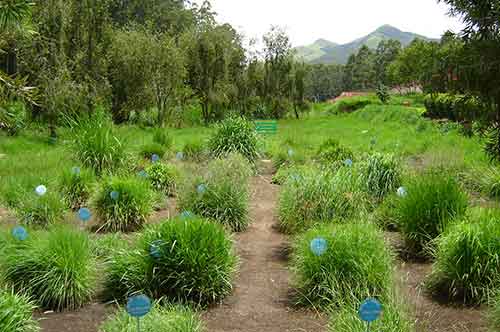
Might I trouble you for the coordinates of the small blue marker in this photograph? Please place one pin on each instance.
(155, 158)
(114, 195)
(19, 233)
(186, 215)
(142, 174)
(156, 248)
(84, 214)
(41, 190)
(348, 162)
(75, 170)
(201, 189)
(179, 155)
(137, 307)
(402, 192)
(370, 311)
(319, 246)
(290, 153)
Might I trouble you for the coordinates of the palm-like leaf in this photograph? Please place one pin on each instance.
(13, 14)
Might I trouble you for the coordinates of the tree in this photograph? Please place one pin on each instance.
(387, 51)
(324, 81)
(299, 89)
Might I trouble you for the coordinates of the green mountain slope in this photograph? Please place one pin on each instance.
(324, 51)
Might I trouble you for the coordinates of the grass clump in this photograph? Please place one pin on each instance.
(292, 172)
(319, 197)
(96, 144)
(56, 268)
(161, 318)
(148, 150)
(162, 137)
(41, 211)
(332, 154)
(467, 266)
(194, 150)
(194, 262)
(76, 186)
(124, 203)
(234, 135)
(163, 177)
(356, 265)
(221, 194)
(16, 313)
(494, 314)
(433, 200)
(381, 175)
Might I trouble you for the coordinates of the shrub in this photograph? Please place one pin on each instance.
(234, 135)
(433, 200)
(130, 209)
(16, 313)
(12, 118)
(194, 150)
(485, 179)
(384, 215)
(454, 107)
(492, 142)
(54, 268)
(383, 94)
(41, 210)
(76, 186)
(194, 263)
(224, 194)
(467, 266)
(331, 153)
(292, 172)
(319, 197)
(348, 105)
(381, 175)
(163, 177)
(96, 144)
(286, 155)
(355, 265)
(160, 318)
(162, 137)
(104, 245)
(395, 317)
(148, 150)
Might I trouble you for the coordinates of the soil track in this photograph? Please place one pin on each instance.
(260, 301)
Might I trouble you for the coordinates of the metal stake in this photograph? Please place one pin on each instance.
(138, 324)
(368, 327)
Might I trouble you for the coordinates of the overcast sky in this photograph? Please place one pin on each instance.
(340, 21)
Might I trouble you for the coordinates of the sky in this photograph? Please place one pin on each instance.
(334, 20)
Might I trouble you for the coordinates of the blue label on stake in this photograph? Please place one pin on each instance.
(319, 246)
(84, 214)
(179, 155)
(402, 192)
(41, 190)
(142, 174)
(75, 170)
(114, 195)
(201, 188)
(290, 152)
(370, 310)
(155, 158)
(348, 162)
(138, 306)
(156, 248)
(186, 215)
(19, 233)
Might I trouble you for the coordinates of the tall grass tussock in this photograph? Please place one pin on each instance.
(16, 313)
(124, 203)
(55, 268)
(433, 201)
(41, 211)
(467, 266)
(356, 265)
(234, 135)
(161, 318)
(381, 175)
(186, 260)
(76, 185)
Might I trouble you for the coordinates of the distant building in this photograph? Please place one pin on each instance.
(348, 94)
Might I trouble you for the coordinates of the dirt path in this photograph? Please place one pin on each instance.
(260, 299)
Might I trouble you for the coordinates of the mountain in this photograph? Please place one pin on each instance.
(324, 51)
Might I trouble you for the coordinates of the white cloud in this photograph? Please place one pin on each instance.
(340, 21)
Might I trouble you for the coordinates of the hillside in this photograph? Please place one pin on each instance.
(324, 51)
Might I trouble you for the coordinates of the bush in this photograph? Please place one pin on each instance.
(128, 211)
(349, 105)
(319, 197)
(433, 200)
(492, 142)
(290, 173)
(170, 318)
(163, 177)
(55, 268)
(234, 135)
(467, 266)
(381, 174)
(41, 210)
(395, 318)
(485, 179)
(148, 150)
(195, 263)
(332, 154)
(355, 265)
(194, 150)
(12, 118)
(457, 108)
(16, 313)
(162, 137)
(76, 186)
(224, 194)
(96, 144)
(383, 94)
(104, 245)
